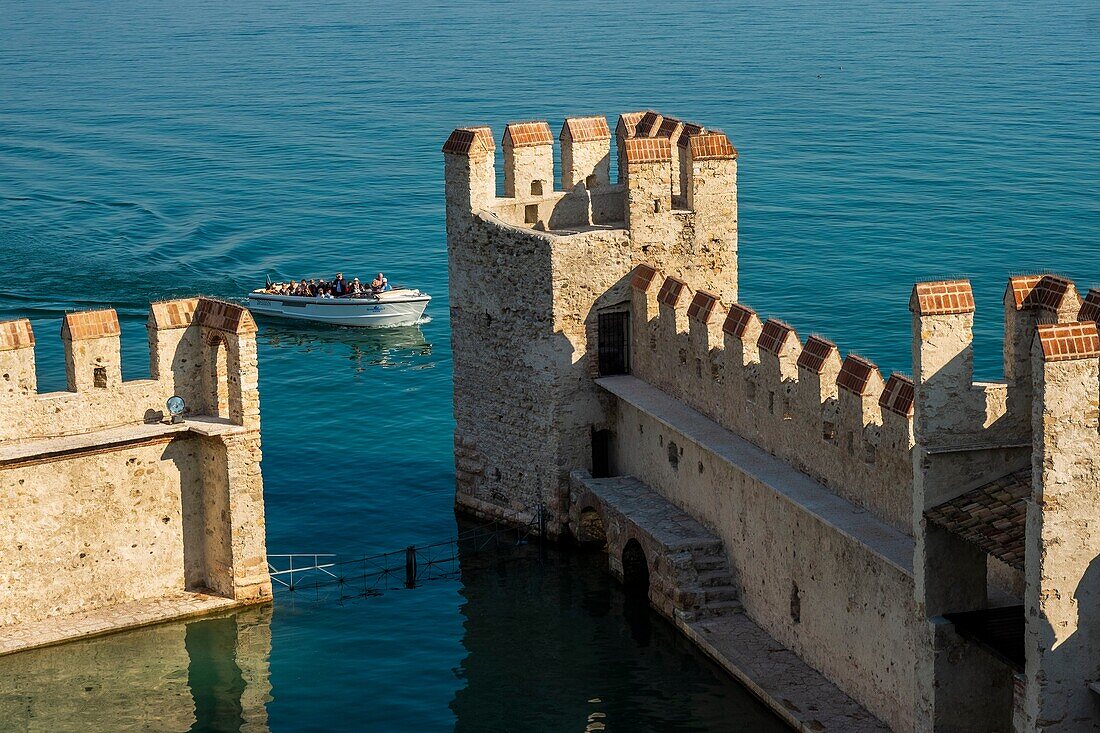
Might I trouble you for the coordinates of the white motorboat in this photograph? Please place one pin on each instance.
(398, 307)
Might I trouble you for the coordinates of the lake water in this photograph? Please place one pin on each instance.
(157, 149)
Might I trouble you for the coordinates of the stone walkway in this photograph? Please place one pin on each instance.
(775, 674)
(109, 619)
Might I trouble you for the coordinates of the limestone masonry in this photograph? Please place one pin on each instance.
(900, 553)
(114, 516)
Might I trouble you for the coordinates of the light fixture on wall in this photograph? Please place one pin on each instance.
(176, 406)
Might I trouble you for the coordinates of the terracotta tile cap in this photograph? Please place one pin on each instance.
(90, 325)
(773, 336)
(648, 125)
(628, 122)
(1090, 309)
(897, 395)
(670, 127)
(670, 292)
(992, 516)
(222, 316)
(16, 334)
(702, 306)
(855, 374)
(647, 150)
(527, 134)
(689, 130)
(815, 353)
(643, 277)
(738, 319)
(1068, 341)
(942, 297)
(711, 146)
(468, 141)
(169, 314)
(585, 129)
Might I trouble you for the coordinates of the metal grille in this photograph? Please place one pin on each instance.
(613, 333)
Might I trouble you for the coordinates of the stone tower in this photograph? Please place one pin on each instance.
(533, 270)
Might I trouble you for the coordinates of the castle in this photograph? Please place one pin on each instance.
(115, 514)
(865, 553)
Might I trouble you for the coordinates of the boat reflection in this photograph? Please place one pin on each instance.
(403, 346)
(210, 674)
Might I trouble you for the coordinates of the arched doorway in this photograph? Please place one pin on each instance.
(635, 568)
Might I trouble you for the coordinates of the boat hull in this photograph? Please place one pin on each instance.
(357, 312)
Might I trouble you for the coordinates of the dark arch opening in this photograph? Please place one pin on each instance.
(635, 569)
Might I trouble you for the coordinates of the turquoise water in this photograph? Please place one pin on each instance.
(154, 149)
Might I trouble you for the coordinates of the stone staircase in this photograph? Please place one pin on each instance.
(690, 576)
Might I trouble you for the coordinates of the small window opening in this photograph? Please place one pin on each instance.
(99, 376)
(531, 214)
(796, 604)
(536, 188)
(828, 431)
(771, 403)
(673, 455)
(656, 206)
(869, 454)
(699, 368)
(851, 444)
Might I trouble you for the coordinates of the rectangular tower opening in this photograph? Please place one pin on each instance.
(613, 333)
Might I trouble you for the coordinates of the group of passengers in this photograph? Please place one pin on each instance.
(337, 288)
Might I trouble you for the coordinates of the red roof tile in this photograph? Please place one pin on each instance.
(527, 134)
(485, 134)
(1046, 292)
(1066, 341)
(168, 314)
(773, 336)
(815, 353)
(464, 141)
(671, 290)
(647, 150)
(992, 516)
(855, 374)
(942, 297)
(737, 320)
(16, 335)
(648, 125)
(897, 395)
(628, 122)
(90, 325)
(643, 277)
(702, 306)
(224, 316)
(670, 128)
(689, 129)
(585, 129)
(710, 146)
(1090, 309)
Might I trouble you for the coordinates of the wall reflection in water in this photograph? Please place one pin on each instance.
(210, 674)
(555, 645)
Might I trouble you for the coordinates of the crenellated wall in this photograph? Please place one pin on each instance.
(837, 421)
(108, 500)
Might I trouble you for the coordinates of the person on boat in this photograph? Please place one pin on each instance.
(303, 289)
(314, 288)
(339, 285)
(356, 288)
(379, 284)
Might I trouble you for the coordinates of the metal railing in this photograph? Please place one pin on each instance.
(409, 567)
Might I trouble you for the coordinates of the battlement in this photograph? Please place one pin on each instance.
(835, 419)
(201, 349)
(675, 197)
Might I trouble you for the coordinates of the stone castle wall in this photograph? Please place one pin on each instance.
(858, 512)
(110, 502)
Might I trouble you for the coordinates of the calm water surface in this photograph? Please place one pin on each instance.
(156, 149)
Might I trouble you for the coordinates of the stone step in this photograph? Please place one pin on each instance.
(710, 562)
(712, 578)
(720, 594)
(720, 608)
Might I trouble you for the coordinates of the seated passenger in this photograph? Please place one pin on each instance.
(379, 284)
(356, 288)
(314, 288)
